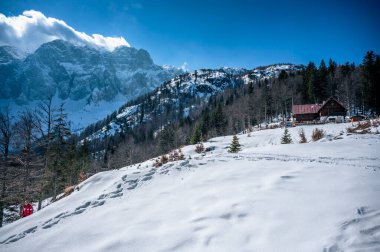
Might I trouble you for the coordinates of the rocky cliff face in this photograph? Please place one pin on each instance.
(74, 72)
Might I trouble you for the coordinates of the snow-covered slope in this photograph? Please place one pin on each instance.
(318, 196)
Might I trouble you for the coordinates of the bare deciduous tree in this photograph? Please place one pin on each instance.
(44, 120)
(26, 134)
(6, 134)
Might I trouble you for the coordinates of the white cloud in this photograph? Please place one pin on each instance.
(31, 29)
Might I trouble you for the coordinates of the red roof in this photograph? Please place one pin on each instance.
(306, 109)
(312, 108)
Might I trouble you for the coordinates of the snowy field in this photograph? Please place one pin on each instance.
(318, 196)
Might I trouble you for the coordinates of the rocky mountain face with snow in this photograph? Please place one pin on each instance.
(179, 97)
(71, 72)
(92, 82)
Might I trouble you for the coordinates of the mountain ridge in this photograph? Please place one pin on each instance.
(74, 72)
(182, 95)
(90, 82)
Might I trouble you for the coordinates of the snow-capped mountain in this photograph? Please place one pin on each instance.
(91, 82)
(79, 72)
(183, 93)
(271, 71)
(317, 196)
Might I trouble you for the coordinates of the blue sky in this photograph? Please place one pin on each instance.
(212, 34)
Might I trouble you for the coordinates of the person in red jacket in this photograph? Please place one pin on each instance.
(27, 209)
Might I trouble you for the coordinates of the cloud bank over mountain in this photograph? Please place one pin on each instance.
(31, 29)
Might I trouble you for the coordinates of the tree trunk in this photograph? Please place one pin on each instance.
(3, 187)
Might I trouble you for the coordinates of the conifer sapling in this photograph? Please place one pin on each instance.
(235, 145)
(286, 138)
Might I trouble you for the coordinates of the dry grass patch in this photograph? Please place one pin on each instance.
(317, 134)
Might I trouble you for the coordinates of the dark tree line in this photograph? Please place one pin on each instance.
(356, 86)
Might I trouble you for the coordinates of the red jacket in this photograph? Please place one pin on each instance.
(27, 210)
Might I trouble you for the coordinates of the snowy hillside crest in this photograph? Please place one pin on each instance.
(223, 201)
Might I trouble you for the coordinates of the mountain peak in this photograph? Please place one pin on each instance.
(10, 53)
(79, 74)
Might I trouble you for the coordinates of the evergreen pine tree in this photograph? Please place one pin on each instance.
(197, 135)
(142, 112)
(72, 164)
(84, 156)
(286, 138)
(320, 85)
(332, 66)
(283, 75)
(307, 91)
(250, 87)
(58, 149)
(167, 139)
(332, 82)
(235, 145)
(219, 120)
(371, 79)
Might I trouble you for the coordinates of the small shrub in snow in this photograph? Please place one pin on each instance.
(180, 155)
(376, 123)
(82, 176)
(68, 190)
(199, 148)
(302, 136)
(364, 125)
(350, 130)
(157, 163)
(317, 134)
(164, 159)
(160, 161)
(172, 156)
(286, 138)
(176, 155)
(235, 145)
(360, 128)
